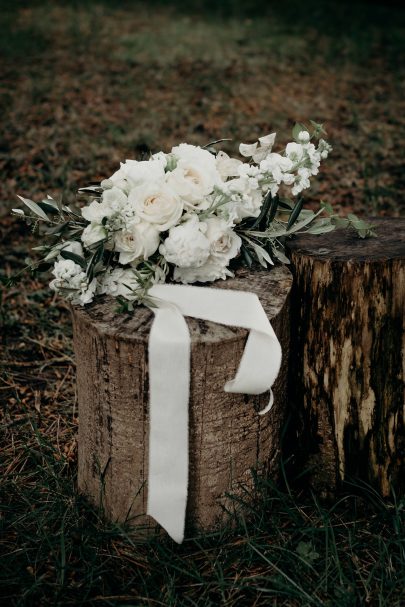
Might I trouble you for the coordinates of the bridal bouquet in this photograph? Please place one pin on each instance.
(190, 215)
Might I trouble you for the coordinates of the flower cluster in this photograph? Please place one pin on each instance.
(188, 215)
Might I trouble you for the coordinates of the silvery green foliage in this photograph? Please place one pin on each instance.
(191, 215)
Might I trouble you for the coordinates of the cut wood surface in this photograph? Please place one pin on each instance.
(348, 356)
(227, 437)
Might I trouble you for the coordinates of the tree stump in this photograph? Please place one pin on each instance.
(348, 356)
(227, 437)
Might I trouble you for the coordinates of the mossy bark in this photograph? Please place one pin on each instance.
(227, 436)
(348, 356)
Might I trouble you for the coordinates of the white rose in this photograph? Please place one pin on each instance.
(156, 204)
(93, 233)
(141, 240)
(186, 244)
(96, 211)
(224, 242)
(224, 245)
(133, 173)
(115, 198)
(195, 175)
(211, 270)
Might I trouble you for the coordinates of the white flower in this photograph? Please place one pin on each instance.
(276, 165)
(211, 270)
(226, 166)
(93, 233)
(66, 270)
(86, 294)
(224, 245)
(186, 244)
(324, 148)
(301, 181)
(141, 240)
(158, 204)
(195, 175)
(224, 242)
(69, 275)
(304, 137)
(119, 282)
(133, 173)
(258, 153)
(113, 200)
(246, 199)
(294, 151)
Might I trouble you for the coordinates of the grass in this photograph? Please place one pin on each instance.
(84, 85)
(289, 550)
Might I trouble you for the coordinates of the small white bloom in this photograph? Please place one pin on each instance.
(186, 244)
(86, 294)
(93, 233)
(294, 151)
(226, 166)
(66, 269)
(141, 240)
(119, 282)
(275, 165)
(304, 137)
(324, 148)
(158, 204)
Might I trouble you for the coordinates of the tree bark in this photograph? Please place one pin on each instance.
(226, 436)
(348, 356)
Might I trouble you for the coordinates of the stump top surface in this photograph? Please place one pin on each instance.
(271, 286)
(345, 244)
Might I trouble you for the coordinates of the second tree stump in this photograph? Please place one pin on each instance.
(348, 356)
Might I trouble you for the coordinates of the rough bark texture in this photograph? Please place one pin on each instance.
(348, 356)
(227, 436)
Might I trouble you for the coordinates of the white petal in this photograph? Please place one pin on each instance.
(268, 140)
(247, 149)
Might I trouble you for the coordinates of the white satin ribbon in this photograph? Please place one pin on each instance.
(169, 383)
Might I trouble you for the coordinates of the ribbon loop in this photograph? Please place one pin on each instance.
(169, 377)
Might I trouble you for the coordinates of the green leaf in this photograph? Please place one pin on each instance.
(48, 207)
(57, 229)
(73, 257)
(327, 207)
(247, 256)
(295, 213)
(272, 210)
(34, 208)
(321, 229)
(264, 210)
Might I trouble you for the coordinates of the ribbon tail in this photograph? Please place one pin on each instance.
(169, 379)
